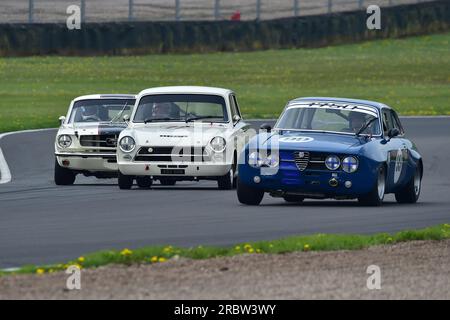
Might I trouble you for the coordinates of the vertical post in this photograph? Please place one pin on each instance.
(330, 6)
(296, 8)
(30, 11)
(83, 11)
(130, 10)
(177, 10)
(217, 9)
(258, 10)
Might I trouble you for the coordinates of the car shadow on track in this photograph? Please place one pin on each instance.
(342, 204)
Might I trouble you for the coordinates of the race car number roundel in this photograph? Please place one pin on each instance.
(398, 165)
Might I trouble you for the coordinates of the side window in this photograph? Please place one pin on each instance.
(234, 107)
(387, 121)
(397, 123)
(236, 104)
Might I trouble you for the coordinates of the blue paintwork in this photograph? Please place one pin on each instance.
(371, 152)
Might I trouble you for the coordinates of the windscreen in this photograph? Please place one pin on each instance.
(181, 107)
(336, 120)
(101, 110)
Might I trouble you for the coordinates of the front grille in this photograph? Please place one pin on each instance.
(310, 160)
(301, 160)
(170, 154)
(104, 141)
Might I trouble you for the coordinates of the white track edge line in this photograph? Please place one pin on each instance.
(5, 173)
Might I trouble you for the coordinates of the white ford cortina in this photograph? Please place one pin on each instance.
(182, 133)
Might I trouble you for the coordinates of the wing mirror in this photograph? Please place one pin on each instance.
(394, 132)
(236, 118)
(126, 118)
(266, 127)
(62, 119)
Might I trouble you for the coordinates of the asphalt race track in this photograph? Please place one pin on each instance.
(41, 223)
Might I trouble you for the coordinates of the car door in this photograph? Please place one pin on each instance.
(396, 149)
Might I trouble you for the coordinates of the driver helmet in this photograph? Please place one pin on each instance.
(356, 120)
(88, 111)
(161, 110)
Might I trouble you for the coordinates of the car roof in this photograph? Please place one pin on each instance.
(186, 89)
(105, 96)
(377, 105)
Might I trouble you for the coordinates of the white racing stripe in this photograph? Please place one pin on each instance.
(5, 174)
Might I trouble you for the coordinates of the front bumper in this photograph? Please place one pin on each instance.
(173, 169)
(92, 162)
(313, 184)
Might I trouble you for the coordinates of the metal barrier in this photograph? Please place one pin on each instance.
(40, 11)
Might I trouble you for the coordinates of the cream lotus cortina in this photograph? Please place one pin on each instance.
(182, 133)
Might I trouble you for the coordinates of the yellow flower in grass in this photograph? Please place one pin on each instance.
(168, 249)
(251, 250)
(258, 251)
(306, 247)
(154, 259)
(40, 271)
(162, 259)
(81, 259)
(247, 247)
(126, 252)
(237, 248)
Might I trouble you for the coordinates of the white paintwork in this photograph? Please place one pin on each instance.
(180, 134)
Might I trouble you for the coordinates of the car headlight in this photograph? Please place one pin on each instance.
(272, 160)
(64, 141)
(350, 164)
(218, 144)
(255, 160)
(332, 162)
(127, 144)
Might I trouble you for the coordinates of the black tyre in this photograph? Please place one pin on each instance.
(167, 182)
(248, 195)
(228, 181)
(375, 197)
(294, 199)
(144, 182)
(410, 193)
(63, 176)
(125, 182)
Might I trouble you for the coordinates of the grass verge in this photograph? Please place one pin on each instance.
(412, 75)
(318, 242)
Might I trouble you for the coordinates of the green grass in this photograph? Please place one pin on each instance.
(412, 75)
(318, 242)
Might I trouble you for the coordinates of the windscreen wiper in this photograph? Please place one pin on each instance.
(201, 118)
(157, 119)
(119, 114)
(365, 126)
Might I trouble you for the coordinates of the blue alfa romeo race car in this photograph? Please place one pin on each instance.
(331, 148)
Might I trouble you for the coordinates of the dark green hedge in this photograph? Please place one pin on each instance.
(190, 36)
